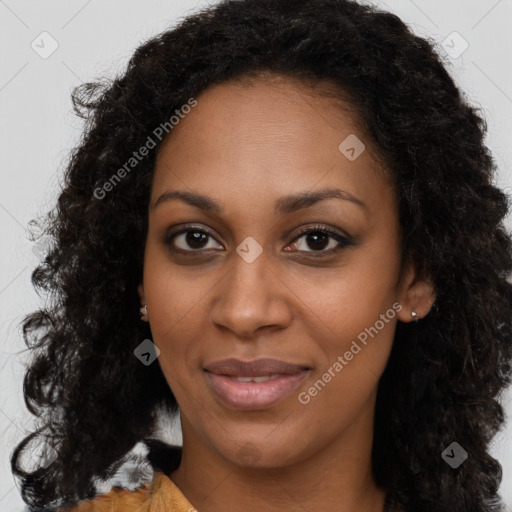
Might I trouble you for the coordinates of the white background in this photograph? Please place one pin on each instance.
(38, 129)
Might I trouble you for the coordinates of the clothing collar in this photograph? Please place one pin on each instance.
(165, 496)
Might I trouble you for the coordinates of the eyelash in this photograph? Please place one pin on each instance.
(343, 240)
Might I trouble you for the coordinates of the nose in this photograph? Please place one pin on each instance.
(251, 296)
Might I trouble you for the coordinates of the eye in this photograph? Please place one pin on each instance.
(191, 239)
(317, 238)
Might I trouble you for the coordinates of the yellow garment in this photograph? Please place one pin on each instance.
(161, 495)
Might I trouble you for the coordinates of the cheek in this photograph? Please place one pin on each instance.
(176, 303)
(353, 297)
(353, 315)
(360, 332)
(174, 294)
(352, 354)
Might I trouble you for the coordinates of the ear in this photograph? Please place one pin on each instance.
(142, 298)
(414, 294)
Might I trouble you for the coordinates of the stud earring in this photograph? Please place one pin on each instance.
(415, 316)
(144, 313)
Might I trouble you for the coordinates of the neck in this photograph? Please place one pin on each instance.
(336, 477)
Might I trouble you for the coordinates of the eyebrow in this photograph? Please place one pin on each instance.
(284, 205)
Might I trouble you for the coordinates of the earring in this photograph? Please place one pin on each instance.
(144, 313)
(415, 316)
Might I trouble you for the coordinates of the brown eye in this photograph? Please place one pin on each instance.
(190, 240)
(316, 240)
(196, 239)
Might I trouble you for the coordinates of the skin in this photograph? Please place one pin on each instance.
(245, 146)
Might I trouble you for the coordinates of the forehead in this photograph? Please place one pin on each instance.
(265, 136)
(246, 109)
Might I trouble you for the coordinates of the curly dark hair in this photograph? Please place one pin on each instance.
(444, 373)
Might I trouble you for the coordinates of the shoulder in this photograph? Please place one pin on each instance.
(117, 499)
(159, 494)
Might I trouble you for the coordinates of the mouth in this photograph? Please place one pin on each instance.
(256, 385)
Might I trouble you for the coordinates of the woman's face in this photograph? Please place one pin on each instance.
(241, 281)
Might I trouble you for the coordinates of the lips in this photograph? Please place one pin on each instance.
(257, 368)
(254, 385)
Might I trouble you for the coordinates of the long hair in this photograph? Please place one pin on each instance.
(93, 398)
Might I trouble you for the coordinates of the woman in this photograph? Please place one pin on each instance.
(321, 271)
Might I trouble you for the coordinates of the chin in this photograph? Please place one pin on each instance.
(262, 455)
